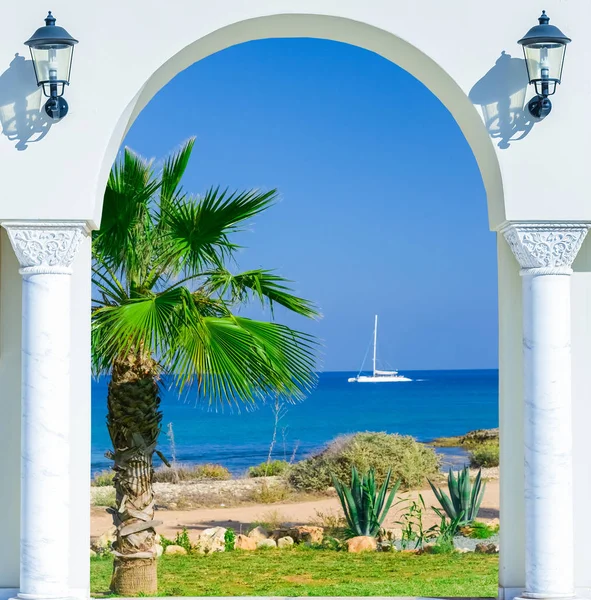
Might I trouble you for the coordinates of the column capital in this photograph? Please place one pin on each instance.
(45, 247)
(545, 248)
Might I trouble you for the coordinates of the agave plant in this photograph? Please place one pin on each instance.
(365, 506)
(464, 497)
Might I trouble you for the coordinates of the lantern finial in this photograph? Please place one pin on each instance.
(544, 19)
(49, 20)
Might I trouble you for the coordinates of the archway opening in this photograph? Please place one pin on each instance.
(363, 225)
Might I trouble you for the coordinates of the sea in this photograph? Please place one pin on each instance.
(435, 404)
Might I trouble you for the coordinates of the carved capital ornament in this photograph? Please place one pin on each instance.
(45, 247)
(545, 248)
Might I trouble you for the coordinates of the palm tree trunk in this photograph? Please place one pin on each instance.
(134, 423)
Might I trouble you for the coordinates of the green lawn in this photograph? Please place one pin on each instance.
(304, 572)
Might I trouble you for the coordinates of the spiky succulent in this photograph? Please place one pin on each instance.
(464, 497)
(365, 506)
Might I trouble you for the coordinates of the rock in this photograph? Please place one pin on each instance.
(174, 549)
(279, 533)
(479, 436)
(266, 543)
(426, 549)
(243, 542)
(285, 542)
(307, 534)
(362, 543)
(463, 550)
(258, 533)
(157, 538)
(104, 541)
(211, 540)
(159, 550)
(484, 548)
(386, 546)
(92, 553)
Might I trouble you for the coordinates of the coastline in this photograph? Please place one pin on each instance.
(246, 512)
(442, 403)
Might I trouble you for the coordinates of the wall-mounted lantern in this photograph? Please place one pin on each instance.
(52, 48)
(544, 47)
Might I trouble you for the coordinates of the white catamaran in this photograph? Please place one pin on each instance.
(378, 376)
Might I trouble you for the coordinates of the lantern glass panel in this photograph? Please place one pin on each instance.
(52, 64)
(544, 65)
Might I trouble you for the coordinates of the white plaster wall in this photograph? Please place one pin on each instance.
(128, 50)
(10, 413)
(512, 542)
(125, 43)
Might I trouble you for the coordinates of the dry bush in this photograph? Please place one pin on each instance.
(178, 473)
(333, 521)
(104, 497)
(270, 520)
(410, 461)
(271, 493)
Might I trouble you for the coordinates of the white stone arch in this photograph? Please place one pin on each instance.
(536, 183)
(339, 29)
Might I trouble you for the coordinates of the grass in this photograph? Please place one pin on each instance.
(307, 572)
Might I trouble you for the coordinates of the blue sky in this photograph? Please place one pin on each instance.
(382, 205)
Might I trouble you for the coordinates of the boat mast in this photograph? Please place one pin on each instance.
(375, 344)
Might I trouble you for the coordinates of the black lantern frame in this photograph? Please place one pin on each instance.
(52, 50)
(544, 49)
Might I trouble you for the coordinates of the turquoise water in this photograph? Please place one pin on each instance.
(435, 404)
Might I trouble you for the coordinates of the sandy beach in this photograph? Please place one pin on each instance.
(240, 518)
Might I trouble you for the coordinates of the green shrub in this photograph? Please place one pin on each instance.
(479, 530)
(269, 469)
(103, 479)
(181, 539)
(229, 540)
(178, 473)
(211, 471)
(485, 455)
(410, 461)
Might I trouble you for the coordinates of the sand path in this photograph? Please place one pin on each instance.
(240, 518)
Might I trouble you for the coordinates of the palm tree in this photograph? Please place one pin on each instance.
(166, 305)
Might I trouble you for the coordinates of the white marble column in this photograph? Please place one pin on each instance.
(546, 252)
(45, 252)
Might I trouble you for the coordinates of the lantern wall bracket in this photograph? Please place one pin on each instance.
(51, 51)
(539, 107)
(544, 47)
(56, 107)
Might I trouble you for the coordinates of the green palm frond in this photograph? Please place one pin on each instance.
(126, 213)
(264, 285)
(198, 229)
(237, 360)
(172, 172)
(152, 323)
(156, 242)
